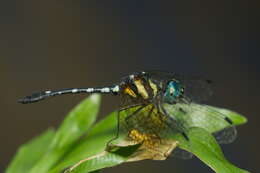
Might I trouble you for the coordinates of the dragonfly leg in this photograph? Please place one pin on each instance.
(109, 145)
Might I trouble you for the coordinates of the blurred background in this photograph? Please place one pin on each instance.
(61, 44)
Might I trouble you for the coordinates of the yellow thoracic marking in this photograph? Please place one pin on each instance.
(129, 91)
(154, 87)
(141, 90)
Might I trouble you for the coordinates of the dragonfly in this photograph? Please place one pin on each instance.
(142, 99)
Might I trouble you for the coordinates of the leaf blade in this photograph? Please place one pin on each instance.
(204, 146)
(28, 154)
(75, 124)
(92, 144)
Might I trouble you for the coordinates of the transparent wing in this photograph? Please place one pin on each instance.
(195, 89)
(181, 154)
(203, 116)
(229, 133)
(226, 136)
(147, 119)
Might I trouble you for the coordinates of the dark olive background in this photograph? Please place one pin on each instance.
(58, 44)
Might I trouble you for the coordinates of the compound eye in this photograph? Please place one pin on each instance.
(172, 92)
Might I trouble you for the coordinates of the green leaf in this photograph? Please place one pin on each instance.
(94, 143)
(204, 146)
(76, 123)
(201, 143)
(105, 159)
(28, 154)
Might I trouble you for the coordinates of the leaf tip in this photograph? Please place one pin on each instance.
(244, 119)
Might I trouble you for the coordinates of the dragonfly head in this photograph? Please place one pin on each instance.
(172, 92)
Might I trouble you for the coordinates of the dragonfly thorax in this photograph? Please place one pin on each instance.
(139, 87)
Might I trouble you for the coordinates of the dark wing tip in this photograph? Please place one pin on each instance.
(185, 136)
(229, 120)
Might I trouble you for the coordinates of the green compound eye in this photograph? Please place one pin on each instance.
(172, 92)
